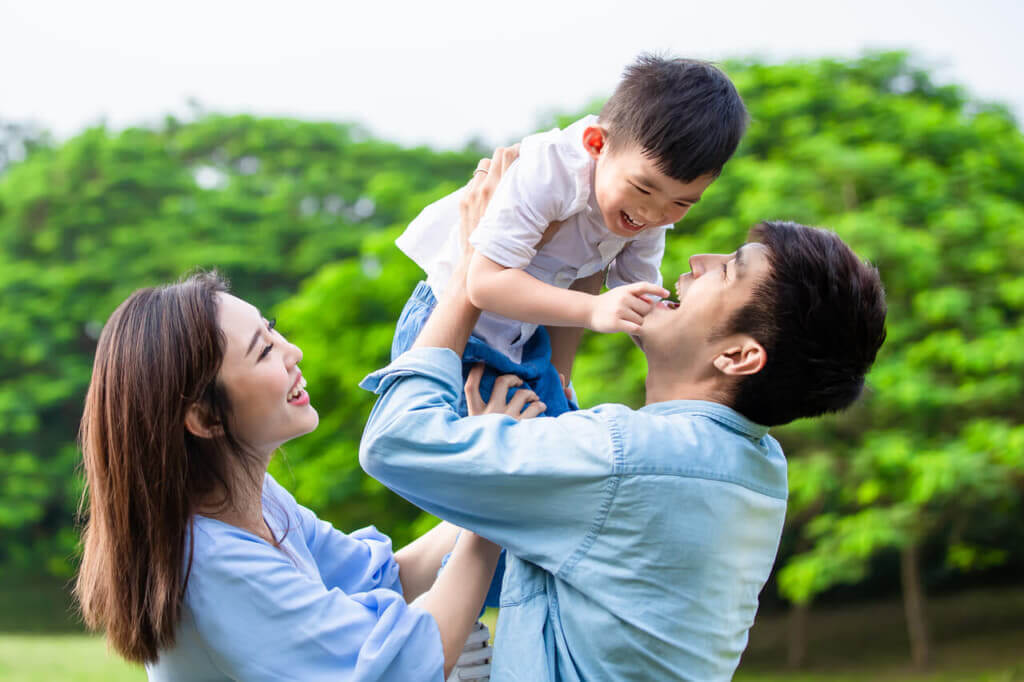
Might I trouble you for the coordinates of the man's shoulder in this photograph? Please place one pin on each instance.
(697, 439)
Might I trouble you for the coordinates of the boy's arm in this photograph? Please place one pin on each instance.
(566, 340)
(514, 293)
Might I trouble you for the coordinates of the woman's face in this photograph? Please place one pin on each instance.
(260, 372)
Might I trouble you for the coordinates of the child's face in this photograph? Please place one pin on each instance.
(634, 195)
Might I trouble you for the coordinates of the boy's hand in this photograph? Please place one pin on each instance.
(623, 308)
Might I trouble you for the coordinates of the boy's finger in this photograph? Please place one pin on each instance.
(631, 316)
(639, 305)
(629, 327)
(641, 288)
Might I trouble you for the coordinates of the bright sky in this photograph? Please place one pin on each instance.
(441, 72)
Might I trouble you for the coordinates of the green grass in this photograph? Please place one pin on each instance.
(46, 658)
(978, 637)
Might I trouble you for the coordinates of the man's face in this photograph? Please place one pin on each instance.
(634, 195)
(716, 287)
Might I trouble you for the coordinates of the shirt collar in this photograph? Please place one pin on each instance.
(716, 411)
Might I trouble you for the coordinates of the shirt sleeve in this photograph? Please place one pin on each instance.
(355, 562)
(542, 186)
(537, 487)
(640, 261)
(262, 618)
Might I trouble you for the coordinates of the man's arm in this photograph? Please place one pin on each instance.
(452, 321)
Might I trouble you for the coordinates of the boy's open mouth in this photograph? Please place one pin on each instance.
(631, 224)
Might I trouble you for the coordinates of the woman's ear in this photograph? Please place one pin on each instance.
(745, 357)
(199, 422)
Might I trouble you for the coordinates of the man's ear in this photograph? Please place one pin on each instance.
(744, 357)
(595, 139)
(200, 423)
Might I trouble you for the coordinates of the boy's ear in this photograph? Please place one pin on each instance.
(595, 138)
(744, 357)
(200, 424)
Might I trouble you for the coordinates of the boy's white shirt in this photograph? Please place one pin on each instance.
(552, 180)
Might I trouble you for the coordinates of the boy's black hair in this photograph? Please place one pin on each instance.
(684, 114)
(820, 315)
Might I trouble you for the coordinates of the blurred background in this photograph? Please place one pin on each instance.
(287, 145)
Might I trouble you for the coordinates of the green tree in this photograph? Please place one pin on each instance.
(267, 201)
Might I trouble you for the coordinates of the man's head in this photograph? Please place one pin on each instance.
(786, 327)
(661, 139)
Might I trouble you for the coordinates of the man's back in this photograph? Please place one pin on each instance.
(638, 540)
(666, 585)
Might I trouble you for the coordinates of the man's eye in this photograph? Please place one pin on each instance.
(640, 189)
(265, 352)
(725, 270)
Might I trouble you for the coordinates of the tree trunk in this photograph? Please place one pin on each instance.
(797, 631)
(914, 606)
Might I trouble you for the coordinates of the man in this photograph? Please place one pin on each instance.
(638, 540)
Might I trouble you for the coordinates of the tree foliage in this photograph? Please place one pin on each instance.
(267, 201)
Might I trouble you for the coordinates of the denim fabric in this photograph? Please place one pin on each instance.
(637, 540)
(536, 370)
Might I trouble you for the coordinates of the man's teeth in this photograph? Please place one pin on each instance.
(298, 389)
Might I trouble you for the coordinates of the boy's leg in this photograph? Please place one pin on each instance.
(414, 315)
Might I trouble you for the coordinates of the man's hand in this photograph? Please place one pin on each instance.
(480, 188)
(523, 398)
(455, 315)
(622, 309)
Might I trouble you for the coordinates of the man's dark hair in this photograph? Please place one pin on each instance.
(820, 315)
(684, 114)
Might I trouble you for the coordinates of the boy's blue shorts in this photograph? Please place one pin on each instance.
(536, 370)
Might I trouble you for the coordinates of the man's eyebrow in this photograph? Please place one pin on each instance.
(644, 180)
(740, 263)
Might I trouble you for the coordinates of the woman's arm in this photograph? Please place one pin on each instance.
(458, 594)
(420, 560)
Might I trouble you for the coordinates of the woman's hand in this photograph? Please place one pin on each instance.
(480, 188)
(523, 398)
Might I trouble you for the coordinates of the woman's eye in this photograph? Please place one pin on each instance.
(265, 352)
(725, 270)
(640, 189)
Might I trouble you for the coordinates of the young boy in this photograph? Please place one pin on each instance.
(588, 202)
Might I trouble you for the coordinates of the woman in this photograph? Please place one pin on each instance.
(196, 562)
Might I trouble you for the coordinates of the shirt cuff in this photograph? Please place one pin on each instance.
(440, 364)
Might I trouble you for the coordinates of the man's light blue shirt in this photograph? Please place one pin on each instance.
(638, 540)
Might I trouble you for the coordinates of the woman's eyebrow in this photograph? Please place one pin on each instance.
(252, 343)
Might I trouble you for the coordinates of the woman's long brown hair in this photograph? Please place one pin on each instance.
(159, 353)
